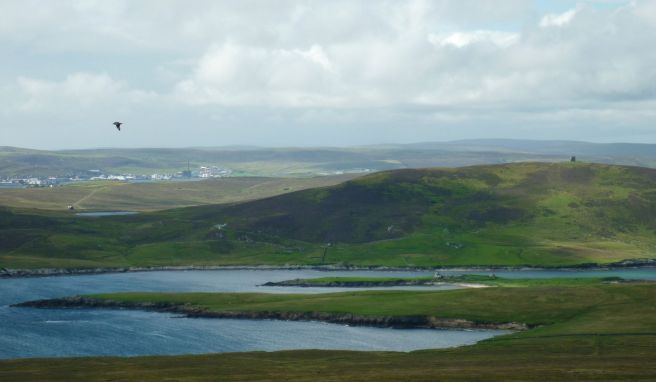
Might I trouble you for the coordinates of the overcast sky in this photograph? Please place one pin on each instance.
(310, 73)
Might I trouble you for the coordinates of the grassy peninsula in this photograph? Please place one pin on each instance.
(523, 214)
(561, 303)
(583, 331)
(482, 280)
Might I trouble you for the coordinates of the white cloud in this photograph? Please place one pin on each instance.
(230, 74)
(76, 91)
(558, 20)
(179, 26)
(414, 63)
(462, 39)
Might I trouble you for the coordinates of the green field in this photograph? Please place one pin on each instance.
(122, 196)
(525, 214)
(588, 358)
(592, 331)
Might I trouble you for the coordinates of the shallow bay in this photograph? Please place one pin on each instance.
(80, 332)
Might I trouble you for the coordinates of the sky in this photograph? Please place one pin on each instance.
(324, 73)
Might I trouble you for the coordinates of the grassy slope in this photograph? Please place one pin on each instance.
(517, 214)
(591, 358)
(158, 195)
(595, 331)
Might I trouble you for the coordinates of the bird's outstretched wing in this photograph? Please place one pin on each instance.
(118, 125)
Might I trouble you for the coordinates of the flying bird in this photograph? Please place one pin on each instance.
(118, 125)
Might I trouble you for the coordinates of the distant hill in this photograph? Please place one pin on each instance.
(537, 214)
(546, 147)
(317, 161)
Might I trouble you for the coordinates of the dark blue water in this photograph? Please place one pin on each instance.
(56, 333)
(83, 332)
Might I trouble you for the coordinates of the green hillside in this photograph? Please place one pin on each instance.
(515, 214)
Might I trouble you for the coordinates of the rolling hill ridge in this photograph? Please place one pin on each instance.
(522, 214)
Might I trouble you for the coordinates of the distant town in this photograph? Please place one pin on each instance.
(203, 172)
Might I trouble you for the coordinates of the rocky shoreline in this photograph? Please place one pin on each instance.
(401, 322)
(47, 272)
(350, 284)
